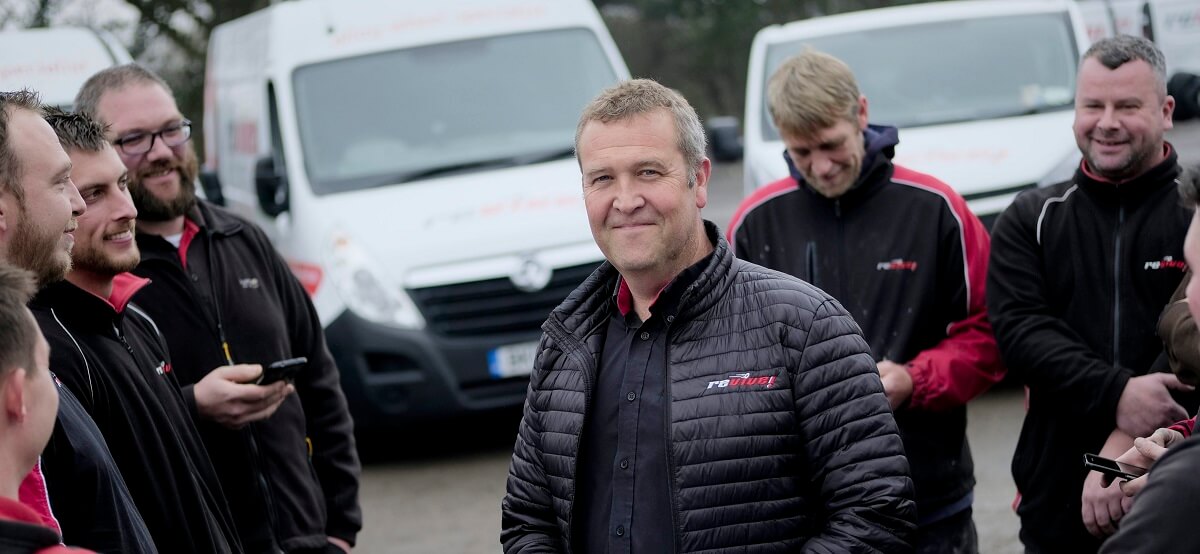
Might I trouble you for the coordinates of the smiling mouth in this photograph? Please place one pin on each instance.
(121, 236)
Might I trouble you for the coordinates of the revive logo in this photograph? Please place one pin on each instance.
(1168, 262)
(742, 380)
(896, 265)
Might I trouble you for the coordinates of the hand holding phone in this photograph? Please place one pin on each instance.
(283, 370)
(1112, 468)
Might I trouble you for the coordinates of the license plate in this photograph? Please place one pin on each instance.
(512, 360)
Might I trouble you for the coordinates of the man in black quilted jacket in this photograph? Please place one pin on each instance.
(683, 400)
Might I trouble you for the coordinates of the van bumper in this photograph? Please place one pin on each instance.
(391, 376)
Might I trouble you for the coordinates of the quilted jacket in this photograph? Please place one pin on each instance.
(809, 461)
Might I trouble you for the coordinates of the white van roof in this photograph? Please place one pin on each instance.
(55, 62)
(897, 16)
(310, 31)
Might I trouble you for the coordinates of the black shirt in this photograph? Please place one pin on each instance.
(624, 492)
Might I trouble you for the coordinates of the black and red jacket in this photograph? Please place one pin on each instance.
(109, 353)
(908, 260)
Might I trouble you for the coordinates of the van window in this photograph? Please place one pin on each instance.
(403, 115)
(951, 71)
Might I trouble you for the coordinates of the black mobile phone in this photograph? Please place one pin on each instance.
(1113, 468)
(283, 370)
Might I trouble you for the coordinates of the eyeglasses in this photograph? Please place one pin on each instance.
(172, 135)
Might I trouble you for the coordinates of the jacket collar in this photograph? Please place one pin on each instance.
(81, 307)
(880, 143)
(588, 306)
(1166, 173)
(211, 219)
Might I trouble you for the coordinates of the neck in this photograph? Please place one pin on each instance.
(645, 287)
(98, 284)
(161, 228)
(12, 474)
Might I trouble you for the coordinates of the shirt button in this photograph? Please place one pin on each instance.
(620, 530)
(625, 463)
(631, 397)
(645, 335)
(670, 318)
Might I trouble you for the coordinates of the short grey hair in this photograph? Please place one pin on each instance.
(643, 96)
(114, 78)
(1113, 52)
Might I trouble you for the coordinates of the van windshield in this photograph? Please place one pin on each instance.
(952, 71)
(403, 115)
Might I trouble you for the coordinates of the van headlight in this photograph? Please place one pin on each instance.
(1064, 171)
(365, 290)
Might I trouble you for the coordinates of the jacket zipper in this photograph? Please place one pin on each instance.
(667, 437)
(587, 399)
(1116, 352)
(255, 453)
(811, 255)
(251, 429)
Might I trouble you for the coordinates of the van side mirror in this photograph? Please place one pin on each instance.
(211, 185)
(271, 186)
(725, 138)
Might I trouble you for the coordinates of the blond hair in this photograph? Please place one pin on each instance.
(811, 92)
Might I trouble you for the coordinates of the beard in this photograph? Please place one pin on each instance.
(37, 251)
(96, 260)
(153, 208)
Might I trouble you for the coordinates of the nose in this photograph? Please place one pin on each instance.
(78, 207)
(159, 150)
(1108, 119)
(628, 197)
(821, 164)
(125, 210)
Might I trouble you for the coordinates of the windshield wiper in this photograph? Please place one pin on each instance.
(465, 167)
(545, 156)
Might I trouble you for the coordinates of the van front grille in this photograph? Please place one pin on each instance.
(495, 306)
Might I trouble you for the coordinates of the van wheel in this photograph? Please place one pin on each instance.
(1185, 87)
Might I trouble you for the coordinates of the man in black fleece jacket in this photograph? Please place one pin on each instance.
(1079, 273)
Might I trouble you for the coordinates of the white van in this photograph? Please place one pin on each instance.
(982, 92)
(413, 162)
(55, 62)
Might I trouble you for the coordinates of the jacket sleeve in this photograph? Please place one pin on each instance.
(1040, 348)
(967, 361)
(329, 427)
(527, 520)
(851, 442)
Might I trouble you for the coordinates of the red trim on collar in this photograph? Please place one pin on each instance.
(190, 230)
(1088, 171)
(125, 286)
(625, 296)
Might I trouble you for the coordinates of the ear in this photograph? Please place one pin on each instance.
(862, 113)
(8, 211)
(1169, 112)
(702, 174)
(12, 390)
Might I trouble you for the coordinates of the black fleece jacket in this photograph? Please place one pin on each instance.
(235, 284)
(1080, 272)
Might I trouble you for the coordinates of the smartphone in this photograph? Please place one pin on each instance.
(283, 370)
(1113, 468)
